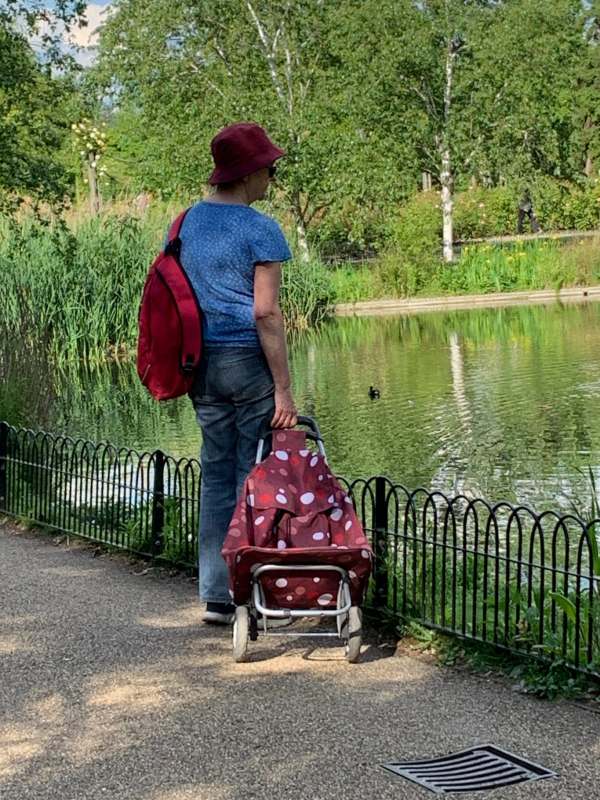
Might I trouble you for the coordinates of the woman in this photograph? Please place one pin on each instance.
(232, 255)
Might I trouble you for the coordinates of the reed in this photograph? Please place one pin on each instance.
(79, 286)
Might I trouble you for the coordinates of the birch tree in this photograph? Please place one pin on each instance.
(207, 64)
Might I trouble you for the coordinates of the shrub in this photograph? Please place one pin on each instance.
(347, 229)
(414, 246)
(481, 212)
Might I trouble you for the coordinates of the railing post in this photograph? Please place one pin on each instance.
(158, 503)
(380, 544)
(3, 464)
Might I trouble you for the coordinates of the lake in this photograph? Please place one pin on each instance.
(498, 403)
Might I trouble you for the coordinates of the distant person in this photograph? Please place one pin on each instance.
(526, 210)
(232, 255)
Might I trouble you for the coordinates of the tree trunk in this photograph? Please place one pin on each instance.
(447, 207)
(589, 162)
(300, 229)
(93, 182)
(444, 149)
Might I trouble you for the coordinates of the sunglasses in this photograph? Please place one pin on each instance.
(272, 171)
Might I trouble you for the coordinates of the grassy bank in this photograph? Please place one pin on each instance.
(480, 269)
(78, 286)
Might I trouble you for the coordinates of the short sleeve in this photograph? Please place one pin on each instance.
(268, 242)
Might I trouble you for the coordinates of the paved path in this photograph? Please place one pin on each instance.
(110, 687)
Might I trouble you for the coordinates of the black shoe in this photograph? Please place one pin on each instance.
(219, 613)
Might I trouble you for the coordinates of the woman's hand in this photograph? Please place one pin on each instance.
(286, 414)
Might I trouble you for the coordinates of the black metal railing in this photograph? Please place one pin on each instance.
(500, 574)
(146, 503)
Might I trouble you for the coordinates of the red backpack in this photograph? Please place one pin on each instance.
(170, 324)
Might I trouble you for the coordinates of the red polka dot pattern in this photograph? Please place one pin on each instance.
(293, 511)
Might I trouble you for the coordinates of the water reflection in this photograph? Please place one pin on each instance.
(497, 403)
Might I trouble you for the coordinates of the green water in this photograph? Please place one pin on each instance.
(496, 403)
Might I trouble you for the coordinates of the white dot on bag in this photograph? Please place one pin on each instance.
(330, 499)
(281, 545)
(324, 599)
(281, 583)
(250, 499)
(337, 515)
(314, 461)
(289, 598)
(307, 497)
(304, 453)
(281, 498)
(348, 500)
(348, 525)
(320, 477)
(259, 520)
(281, 455)
(364, 553)
(352, 574)
(318, 536)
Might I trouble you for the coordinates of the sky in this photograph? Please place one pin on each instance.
(88, 36)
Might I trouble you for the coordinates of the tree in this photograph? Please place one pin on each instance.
(191, 69)
(34, 102)
(588, 116)
(417, 58)
(33, 123)
(525, 90)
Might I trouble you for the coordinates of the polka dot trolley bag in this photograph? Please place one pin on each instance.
(295, 547)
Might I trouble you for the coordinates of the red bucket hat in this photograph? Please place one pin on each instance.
(239, 150)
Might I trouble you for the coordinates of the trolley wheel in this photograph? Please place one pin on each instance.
(341, 621)
(241, 628)
(353, 634)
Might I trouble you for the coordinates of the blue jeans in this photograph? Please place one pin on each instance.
(232, 393)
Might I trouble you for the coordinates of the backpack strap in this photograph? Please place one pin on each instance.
(185, 299)
(173, 245)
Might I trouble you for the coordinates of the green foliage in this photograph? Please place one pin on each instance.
(81, 287)
(563, 205)
(350, 283)
(481, 212)
(34, 120)
(547, 680)
(414, 249)
(306, 294)
(550, 681)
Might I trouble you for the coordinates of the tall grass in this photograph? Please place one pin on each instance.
(480, 269)
(80, 287)
(531, 265)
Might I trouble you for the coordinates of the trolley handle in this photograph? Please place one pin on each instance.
(314, 434)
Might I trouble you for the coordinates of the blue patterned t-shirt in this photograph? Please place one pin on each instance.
(220, 246)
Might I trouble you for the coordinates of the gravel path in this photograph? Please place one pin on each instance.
(111, 687)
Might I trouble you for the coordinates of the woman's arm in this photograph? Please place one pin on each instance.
(271, 332)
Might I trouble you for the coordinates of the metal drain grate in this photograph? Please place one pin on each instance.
(475, 770)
